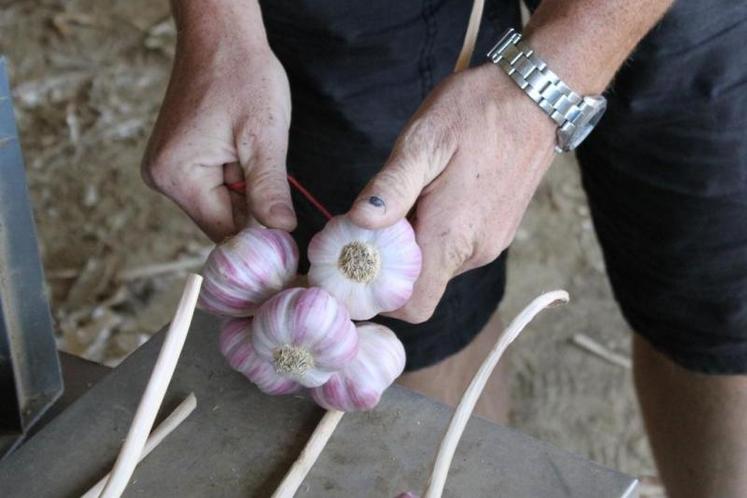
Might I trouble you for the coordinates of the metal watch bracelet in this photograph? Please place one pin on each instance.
(564, 106)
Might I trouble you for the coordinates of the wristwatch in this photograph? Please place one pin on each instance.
(575, 115)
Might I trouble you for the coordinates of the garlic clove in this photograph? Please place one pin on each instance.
(369, 271)
(359, 386)
(235, 344)
(245, 270)
(359, 300)
(391, 293)
(305, 334)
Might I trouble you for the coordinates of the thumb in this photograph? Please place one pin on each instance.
(420, 154)
(267, 192)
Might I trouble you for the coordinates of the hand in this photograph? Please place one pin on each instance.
(225, 118)
(471, 158)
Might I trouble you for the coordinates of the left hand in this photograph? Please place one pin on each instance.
(471, 158)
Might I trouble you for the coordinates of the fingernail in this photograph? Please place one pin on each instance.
(376, 201)
(281, 210)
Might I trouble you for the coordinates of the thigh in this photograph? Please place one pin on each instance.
(666, 177)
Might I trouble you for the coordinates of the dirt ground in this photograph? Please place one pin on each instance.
(88, 77)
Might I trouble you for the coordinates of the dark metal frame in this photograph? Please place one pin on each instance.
(30, 377)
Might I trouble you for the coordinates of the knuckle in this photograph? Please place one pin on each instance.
(396, 181)
(269, 179)
(266, 186)
(263, 146)
(272, 120)
(435, 136)
(487, 253)
(163, 177)
(420, 154)
(247, 139)
(158, 176)
(459, 249)
(157, 166)
(260, 128)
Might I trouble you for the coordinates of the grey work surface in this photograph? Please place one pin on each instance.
(240, 443)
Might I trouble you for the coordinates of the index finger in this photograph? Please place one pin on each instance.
(200, 192)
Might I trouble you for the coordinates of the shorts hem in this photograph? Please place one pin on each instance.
(704, 363)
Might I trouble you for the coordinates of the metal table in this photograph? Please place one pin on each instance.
(239, 443)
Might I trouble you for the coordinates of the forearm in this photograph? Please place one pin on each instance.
(209, 23)
(586, 41)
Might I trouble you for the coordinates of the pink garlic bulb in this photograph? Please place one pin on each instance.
(359, 386)
(408, 494)
(236, 345)
(245, 270)
(305, 334)
(369, 271)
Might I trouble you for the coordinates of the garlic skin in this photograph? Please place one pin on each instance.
(236, 345)
(245, 270)
(369, 271)
(359, 386)
(305, 334)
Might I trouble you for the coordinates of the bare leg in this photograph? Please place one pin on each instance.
(446, 381)
(697, 425)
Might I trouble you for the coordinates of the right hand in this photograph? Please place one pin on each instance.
(225, 118)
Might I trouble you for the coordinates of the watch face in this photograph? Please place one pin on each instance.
(597, 106)
(570, 136)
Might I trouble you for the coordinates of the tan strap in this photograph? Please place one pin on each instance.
(470, 37)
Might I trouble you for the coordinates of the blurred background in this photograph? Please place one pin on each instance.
(88, 77)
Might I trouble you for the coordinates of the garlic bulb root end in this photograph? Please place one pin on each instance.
(359, 261)
(292, 360)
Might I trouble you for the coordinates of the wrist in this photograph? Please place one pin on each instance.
(586, 41)
(213, 24)
(585, 70)
(509, 104)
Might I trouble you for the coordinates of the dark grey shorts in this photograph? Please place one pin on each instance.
(665, 172)
(666, 178)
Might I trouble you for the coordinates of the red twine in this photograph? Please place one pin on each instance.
(240, 188)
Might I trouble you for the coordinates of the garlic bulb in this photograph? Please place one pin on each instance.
(369, 271)
(359, 386)
(409, 494)
(305, 334)
(245, 270)
(236, 345)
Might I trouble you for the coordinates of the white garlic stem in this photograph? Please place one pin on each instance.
(309, 454)
(154, 391)
(159, 434)
(470, 37)
(435, 485)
